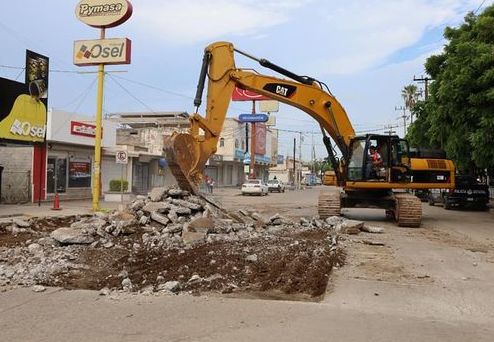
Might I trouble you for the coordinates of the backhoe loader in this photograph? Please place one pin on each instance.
(365, 180)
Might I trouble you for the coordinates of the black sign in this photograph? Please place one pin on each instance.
(285, 90)
(37, 75)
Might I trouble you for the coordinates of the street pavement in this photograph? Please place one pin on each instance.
(433, 283)
(69, 207)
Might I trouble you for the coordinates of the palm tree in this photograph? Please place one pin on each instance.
(410, 96)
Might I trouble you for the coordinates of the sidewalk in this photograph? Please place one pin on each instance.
(68, 207)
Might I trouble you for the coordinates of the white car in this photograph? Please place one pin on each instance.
(254, 187)
(276, 185)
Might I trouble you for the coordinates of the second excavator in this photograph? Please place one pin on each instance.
(372, 170)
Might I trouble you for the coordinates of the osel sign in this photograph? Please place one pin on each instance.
(103, 13)
(102, 51)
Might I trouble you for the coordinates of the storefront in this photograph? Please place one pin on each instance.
(22, 131)
(70, 151)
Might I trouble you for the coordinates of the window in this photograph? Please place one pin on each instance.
(222, 142)
(79, 174)
(355, 166)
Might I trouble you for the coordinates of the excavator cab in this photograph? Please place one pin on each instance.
(379, 158)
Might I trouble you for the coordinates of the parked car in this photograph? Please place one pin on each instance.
(468, 192)
(422, 194)
(254, 187)
(276, 185)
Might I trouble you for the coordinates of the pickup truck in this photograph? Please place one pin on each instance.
(468, 192)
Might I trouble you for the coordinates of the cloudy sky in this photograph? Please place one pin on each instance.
(365, 50)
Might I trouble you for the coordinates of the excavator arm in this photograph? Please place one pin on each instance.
(187, 153)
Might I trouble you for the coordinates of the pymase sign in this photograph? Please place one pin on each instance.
(102, 51)
(103, 13)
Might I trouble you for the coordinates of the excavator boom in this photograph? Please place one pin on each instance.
(187, 153)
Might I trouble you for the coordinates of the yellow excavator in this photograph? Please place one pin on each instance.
(367, 180)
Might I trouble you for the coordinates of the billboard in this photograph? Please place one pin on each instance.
(261, 138)
(23, 105)
(240, 94)
(102, 51)
(103, 13)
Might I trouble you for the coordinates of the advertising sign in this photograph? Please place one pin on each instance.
(79, 174)
(82, 128)
(247, 95)
(23, 105)
(269, 106)
(37, 74)
(261, 139)
(103, 13)
(253, 118)
(102, 51)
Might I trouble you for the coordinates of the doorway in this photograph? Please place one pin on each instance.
(140, 178)
(56, 175)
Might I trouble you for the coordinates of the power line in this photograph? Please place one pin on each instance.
(130, 94)
(480, 6)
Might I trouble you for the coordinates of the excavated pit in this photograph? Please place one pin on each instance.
(242, 254)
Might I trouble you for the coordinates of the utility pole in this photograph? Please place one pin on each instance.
(252, 173)
(424, 80)
(404, 117)
(389, 130)
(294, 164)
(313, 154)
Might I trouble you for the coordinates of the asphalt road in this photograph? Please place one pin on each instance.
(434, 283)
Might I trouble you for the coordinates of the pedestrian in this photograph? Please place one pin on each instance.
(206, 183)
(211, 184)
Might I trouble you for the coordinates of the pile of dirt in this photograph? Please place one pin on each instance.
(173, 242)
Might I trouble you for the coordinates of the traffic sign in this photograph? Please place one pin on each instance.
(253, 117)
(121, 157)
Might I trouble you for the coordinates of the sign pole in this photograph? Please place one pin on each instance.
(97, 140)
(121, 183)
(252, 173)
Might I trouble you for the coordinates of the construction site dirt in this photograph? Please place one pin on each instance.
(293, 266)
(284, 260)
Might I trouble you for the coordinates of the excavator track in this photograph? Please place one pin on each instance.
(329, 204)
(408, 210)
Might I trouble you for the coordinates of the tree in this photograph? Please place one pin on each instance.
(459, 114)
(410, 96)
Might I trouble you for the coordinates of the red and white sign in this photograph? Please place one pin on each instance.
(82, 128)
(103, 13)
(247, 95)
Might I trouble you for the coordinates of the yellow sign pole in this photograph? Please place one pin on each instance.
(97, 139)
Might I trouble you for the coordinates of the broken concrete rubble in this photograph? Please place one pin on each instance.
(167, 222)
(71, 236)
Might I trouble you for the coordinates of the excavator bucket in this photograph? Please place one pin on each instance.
(182, 155)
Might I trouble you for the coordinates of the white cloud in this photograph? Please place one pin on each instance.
(192, 21)
(363, 34)
(333, 37)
